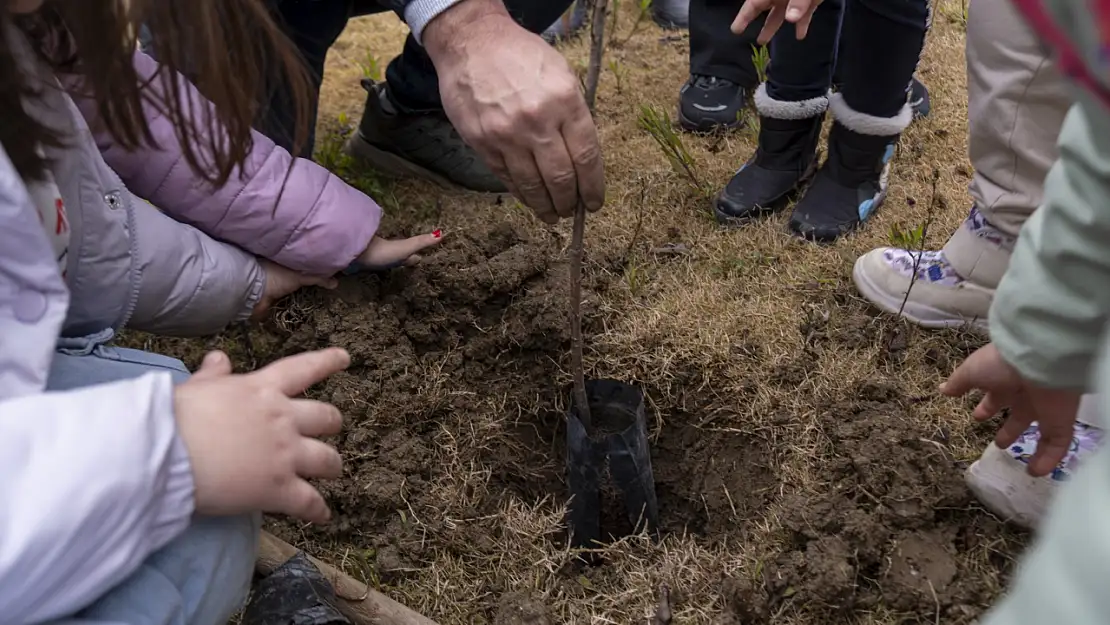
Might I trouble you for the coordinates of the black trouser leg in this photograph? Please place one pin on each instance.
(313, 27)
(715, 50)
(802, 69)
(882, 45)
(412, 79)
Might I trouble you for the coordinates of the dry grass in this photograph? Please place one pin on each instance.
(676, 324)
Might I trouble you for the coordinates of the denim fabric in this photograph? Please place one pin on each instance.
(202, 577)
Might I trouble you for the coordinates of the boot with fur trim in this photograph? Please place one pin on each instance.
(852, 183)
(784, 161)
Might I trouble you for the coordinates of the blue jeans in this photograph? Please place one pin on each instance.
(200, 578)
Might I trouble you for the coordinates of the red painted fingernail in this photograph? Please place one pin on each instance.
(437, 233)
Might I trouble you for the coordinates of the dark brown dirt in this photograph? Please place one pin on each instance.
(891, 530)
(479, 330)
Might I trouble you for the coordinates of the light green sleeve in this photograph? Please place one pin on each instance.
(1050, 310)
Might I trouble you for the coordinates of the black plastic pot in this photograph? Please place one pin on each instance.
(614, 445)
(294, 594)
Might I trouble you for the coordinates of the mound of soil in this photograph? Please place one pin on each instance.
(891, 529)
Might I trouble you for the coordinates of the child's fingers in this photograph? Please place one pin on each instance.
(387, 253)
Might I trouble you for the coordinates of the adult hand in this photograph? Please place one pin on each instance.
(514, 99)
(282, 281)
(386, 253)
(1054, 410)
(797, 12)
(252, 446)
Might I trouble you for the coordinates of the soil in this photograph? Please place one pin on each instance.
(891, 530)
(476, 335)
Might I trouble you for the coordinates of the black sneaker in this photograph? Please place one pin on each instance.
(422, 145)
(848, 188)
(784, 161)
(707, 103)
(919, 99)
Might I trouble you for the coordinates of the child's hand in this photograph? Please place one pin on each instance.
(252, 443)
(1054, 410)
(389, 253)
(282, 281)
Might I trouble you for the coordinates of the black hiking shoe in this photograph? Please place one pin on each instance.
(784, 161)
(423, 145)
(708, 103)
(919, 99)
(848, 188)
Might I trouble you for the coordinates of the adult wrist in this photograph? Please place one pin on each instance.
(445, 32)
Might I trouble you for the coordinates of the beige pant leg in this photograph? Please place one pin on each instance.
(1017, 100)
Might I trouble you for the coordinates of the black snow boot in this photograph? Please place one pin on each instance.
(784, 161)
(852, 183)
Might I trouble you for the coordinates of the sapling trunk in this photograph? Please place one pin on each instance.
(597, 50)
(580, 398)
(593, 73)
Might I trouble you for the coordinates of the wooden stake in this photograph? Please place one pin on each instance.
(358, 602)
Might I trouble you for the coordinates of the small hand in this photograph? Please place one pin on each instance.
(282, 281)
(388, 253)
(1054, 410)
(252, 446)
(515, 100)
(797, 12)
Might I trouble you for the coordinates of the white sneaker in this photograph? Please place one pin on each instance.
(941, 296)
(1000, 481)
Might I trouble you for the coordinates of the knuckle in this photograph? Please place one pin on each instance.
(588, 155)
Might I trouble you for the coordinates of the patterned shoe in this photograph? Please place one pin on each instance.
(939, 297)
(1000, 481)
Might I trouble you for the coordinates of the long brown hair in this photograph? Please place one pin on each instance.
(232, 49)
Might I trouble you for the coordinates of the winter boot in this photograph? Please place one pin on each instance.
(783, 162)
(954, 286)
(852, 183)
(919, 100)
(999, 479)
(421, 144)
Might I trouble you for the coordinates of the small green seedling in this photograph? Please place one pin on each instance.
(761, 58)
(644, 10)
(636, 280)
(371, 67)
(907, 239)
(619, 72)
(658, 124)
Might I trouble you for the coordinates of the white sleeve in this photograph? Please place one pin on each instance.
(419, 12)
(92, 481)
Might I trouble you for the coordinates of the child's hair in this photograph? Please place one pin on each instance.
(232, 50)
